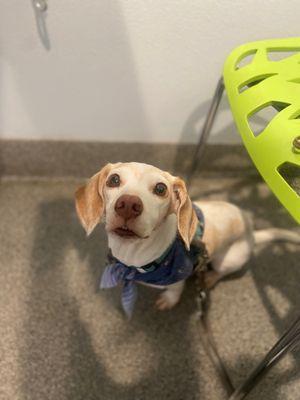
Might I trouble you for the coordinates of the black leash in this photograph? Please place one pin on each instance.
(203, 304)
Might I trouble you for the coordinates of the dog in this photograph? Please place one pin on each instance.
(145, 209)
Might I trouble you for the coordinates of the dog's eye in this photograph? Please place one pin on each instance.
(160, 189)
(113, 181)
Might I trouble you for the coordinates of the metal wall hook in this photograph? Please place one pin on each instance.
(40, 5)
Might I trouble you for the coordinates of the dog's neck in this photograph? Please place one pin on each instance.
(139, 252)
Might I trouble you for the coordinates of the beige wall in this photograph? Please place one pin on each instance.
(127, 70)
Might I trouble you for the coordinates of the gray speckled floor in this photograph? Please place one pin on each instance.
(60, 338)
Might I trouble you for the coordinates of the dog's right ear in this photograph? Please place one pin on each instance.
(89, 200)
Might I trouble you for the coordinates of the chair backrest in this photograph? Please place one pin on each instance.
(262, 81)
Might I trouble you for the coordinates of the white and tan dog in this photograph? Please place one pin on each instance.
(145, 207)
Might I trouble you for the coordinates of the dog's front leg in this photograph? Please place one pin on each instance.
(170, 296)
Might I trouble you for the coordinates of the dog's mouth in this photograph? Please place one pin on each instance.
(125, 232)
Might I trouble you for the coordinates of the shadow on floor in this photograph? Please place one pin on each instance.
(275, 268)
(58, 360)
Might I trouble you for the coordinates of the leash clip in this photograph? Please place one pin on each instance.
(201, 302)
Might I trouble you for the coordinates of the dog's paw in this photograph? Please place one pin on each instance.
(167, 300)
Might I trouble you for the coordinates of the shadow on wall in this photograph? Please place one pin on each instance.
(191, 132)
(85, 80)
(107, 84)
(224, 133)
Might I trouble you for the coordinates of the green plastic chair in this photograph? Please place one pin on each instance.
(255, 80)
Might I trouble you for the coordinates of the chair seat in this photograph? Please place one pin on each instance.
(260, 77)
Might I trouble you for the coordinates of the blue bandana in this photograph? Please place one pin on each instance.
(175, 264)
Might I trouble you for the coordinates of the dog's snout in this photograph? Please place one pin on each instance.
(128, 206)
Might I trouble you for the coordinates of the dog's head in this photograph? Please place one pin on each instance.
(135, 199)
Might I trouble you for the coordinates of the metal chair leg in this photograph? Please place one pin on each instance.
(208, 124)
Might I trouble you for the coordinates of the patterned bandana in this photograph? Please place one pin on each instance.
(174, 265)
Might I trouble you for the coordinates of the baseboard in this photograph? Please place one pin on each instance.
(82, 159)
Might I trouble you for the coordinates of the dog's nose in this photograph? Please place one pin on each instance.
(128, 206)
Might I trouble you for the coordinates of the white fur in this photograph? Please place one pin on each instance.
(268, 235)
(139, 252)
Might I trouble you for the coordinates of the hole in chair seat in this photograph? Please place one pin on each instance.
(245, 59)
(281, 54)
(254, 81)
(291, 174)
(295, 115)
(295, 80)
(259, 120)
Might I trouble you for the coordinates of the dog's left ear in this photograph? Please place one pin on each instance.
(186, 216)
(89, 200)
